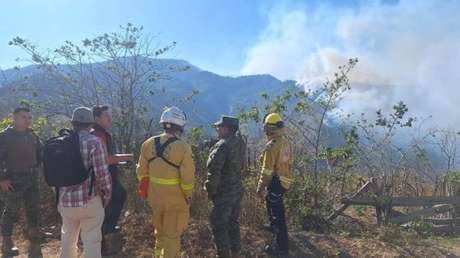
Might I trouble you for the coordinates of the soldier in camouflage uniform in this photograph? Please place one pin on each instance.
(225, 188)
(20, 155)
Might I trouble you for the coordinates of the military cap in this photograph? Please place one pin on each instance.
(229, 121)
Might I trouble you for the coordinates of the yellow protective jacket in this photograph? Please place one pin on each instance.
(167, 182)
(276, 160)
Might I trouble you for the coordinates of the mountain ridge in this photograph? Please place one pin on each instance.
(217, 94)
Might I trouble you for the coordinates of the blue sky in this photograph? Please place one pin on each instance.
(212, 34)
(407, 49)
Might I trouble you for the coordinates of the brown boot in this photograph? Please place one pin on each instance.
(8, 248)
(223, 254)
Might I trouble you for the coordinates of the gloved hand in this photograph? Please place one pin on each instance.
(144, 188)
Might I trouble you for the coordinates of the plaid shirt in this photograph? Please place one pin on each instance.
(94, 154)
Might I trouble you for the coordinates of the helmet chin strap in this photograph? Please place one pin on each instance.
(177, 133)
(180, 132)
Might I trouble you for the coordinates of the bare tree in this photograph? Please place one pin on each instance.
(306, 114)
(116, 68)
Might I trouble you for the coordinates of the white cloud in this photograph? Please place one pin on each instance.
(407, 51)
(280, 48)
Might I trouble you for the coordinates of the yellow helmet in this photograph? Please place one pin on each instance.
(273, 120)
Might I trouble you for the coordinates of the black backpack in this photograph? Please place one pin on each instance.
(62, 161)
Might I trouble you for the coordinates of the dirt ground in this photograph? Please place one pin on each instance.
(138, 241)
(197, 242)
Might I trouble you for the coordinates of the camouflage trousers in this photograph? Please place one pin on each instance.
(25, 193)
(225, 224)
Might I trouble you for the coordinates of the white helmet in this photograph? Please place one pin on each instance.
(173, 115)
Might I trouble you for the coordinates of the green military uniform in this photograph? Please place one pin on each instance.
(225, 189)
(20, 155)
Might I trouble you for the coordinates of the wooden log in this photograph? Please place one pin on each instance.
(365, 200)
(446, 230)
(403, 201)
(344, 206)
(422, 213)
(455, 221)
(425, 200)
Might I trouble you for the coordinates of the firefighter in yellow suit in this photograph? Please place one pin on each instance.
(274, 180)
(166, 173)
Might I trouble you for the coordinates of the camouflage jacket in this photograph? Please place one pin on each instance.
(19, 150)
(225, 164)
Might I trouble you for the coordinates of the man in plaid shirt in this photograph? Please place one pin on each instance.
(80, 210)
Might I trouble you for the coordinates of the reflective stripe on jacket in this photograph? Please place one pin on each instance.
(176, 180)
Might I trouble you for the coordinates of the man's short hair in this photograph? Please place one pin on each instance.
(98, 110)
(21, 109)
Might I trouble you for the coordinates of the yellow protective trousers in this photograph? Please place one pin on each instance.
(170, 219)
(169, 189)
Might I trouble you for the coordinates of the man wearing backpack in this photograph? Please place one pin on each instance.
(20, 156)
(111, 237)
(166, 172)
(82, 206)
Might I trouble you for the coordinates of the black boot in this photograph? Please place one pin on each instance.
(236, 254)
(8, 247)
(35, 250)
(223, 254)
(267, 227)
(272, 250)
(111, 244)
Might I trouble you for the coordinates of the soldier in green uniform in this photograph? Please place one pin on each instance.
(20, 156)
(224, 186)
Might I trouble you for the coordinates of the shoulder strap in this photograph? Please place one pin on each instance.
(270, 144)
(56, 189)
(90, 170)
(92, 178)
(65, 131)
(160, 149)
